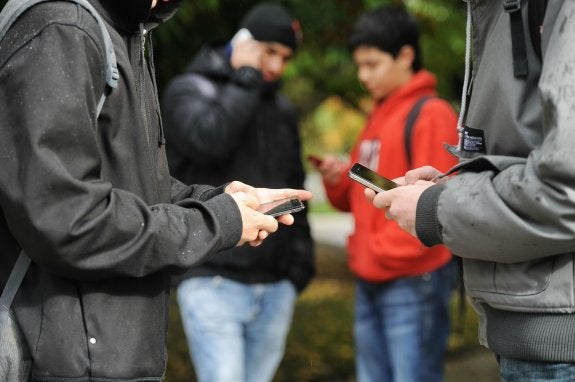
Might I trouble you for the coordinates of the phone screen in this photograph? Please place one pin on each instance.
(370, 178)
(281, 207)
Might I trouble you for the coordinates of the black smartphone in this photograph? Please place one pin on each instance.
(370, 178)
(281, 207)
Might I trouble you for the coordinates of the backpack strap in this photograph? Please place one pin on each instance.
(519, 50)
(11, 11)
(535, 14)
(409, 124)
(14, 280)
(14, 8)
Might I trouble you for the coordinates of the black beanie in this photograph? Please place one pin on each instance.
(273, 23)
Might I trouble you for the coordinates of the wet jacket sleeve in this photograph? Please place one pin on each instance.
(55, 202)
(207, 122)
(523, 209)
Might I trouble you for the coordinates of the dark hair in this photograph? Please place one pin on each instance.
(387, 29)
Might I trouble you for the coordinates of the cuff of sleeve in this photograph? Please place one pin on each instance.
(211, 192)
(427, 226)
(248, 77)
(228, 216)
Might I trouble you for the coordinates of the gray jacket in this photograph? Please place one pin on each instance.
(511, 213)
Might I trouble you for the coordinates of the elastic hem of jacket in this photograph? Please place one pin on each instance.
(427, 226)
(542, 337)
(248, 77)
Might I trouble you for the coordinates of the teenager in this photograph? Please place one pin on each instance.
(401, 319)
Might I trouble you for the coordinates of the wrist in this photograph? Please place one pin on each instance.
(427, 226)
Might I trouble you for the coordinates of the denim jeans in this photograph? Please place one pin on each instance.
(236, 332)
(514, 370)
(401, 327)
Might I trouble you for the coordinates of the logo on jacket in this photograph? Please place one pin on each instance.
(473, 140)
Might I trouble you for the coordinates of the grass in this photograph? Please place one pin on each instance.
(320, 345)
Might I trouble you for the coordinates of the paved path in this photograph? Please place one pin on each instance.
(331, 228)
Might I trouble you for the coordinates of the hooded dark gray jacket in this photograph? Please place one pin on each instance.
(89, 200)
(511, 213)
(225, 124)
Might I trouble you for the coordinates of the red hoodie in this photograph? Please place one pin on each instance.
(378, 249)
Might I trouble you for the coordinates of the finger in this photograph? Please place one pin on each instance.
(400, 181)
(421, 173)
(388, 214)
(268, 224)
(251, 201)
(271, 194)
(255, 243)
(369, 194)
(287, 219)
(262, 235)
(383, 199)
(293, 193)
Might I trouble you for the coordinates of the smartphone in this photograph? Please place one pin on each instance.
(314, 160)
(242, 34)
(370, 178)
(281, 207)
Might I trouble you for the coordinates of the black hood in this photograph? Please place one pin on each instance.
(211, 61)
(127, 15)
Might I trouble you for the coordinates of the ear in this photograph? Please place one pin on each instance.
(406, 56)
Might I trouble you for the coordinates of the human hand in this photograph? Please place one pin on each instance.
(266, 195)
(247, 52)
(423, 173)
(400, 203)
(331, 169)
(256, 226)
(257, 196)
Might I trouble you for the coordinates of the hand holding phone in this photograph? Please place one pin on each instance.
(370, 178)
(281, 207)
(245, 51)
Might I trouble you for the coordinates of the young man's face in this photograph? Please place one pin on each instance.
(379, 72)
(274, 60)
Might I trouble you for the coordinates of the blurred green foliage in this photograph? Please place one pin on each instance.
(321, 80)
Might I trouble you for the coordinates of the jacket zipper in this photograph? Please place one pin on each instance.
(144, 108)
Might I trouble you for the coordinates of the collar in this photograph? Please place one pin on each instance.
(128, 15)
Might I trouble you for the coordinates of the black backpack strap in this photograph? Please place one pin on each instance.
(409, 124)
(536, 13)
(519, 50)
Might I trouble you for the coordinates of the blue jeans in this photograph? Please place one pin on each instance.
(236, 332)
(401, 327)
(514, 370)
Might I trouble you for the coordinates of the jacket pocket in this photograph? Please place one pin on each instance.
(537, 286)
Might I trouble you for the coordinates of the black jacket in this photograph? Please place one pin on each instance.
(88, 199)
(223, 124)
